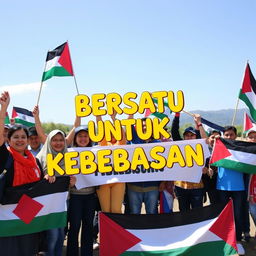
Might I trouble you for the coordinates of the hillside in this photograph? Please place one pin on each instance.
(221, 117)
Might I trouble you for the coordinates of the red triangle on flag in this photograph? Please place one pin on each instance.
(247, 122)
(148, 112)
(247, 86)
(65, 60)
(219, 152)
(14, 113)
(27, 209)
(224, 226)
(114, 239)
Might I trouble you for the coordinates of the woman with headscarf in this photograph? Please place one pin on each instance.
(55, 143)
(21, 169)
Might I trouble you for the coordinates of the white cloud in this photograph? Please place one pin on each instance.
(22, 88)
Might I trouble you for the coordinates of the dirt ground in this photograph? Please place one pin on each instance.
(250, 247)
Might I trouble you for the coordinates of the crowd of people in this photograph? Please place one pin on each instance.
(23, 154)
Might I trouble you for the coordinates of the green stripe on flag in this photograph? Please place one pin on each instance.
(18, 227)
(243, 97)
(159, 115)
(209, 248)
(7, 120)
(55, 71)
(236, 166)
(26, 123)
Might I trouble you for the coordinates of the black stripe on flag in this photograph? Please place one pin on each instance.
(165, 220)
(12, 195)
(23, 111)
(56, 52)
(238, 145)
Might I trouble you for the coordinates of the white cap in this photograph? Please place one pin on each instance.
(253, 129)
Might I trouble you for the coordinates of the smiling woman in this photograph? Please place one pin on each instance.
(21, 169)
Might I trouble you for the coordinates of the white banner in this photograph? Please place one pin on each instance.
(184, 161)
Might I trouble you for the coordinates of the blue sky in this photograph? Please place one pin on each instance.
(199, 46)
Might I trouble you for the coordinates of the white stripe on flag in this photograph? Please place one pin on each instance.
(242, 157)
(24, 117)
(52, 63)
(52, 203)
(252, 98)
(174, 237)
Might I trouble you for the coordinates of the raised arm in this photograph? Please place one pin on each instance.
(123, 141)
(199, 126)
(71, 134)
(38, 125)
(175, 127)
(4, 101)
(104, 141)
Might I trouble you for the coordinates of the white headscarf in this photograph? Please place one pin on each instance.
(47, 149)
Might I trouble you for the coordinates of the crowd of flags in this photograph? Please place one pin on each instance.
(127, 234)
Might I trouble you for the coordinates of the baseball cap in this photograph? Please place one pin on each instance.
(190, 129)
(253, 129)
(32, 131)
(81, 128)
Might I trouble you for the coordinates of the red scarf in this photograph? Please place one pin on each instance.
(25, 169)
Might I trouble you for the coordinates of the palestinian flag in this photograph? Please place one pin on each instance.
(248, 92)
(209, 126)
(34, 207)
(58, 63)
(202, 231)
(248, 124)
(234, 154)
(167, 111)
(23, 116)
(7, 119)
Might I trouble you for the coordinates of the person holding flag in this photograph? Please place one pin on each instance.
(22, 168)
(189, 194)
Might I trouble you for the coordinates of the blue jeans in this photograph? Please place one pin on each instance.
(150, 199)
(252, 207)
(81, 211)
(189, 198)
(55, 239)
(237, 197)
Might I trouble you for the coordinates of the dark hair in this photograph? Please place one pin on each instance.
(15, 128)
(230, 128)
(215, 131)
(74, 141)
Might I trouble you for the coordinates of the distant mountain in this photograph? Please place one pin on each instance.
(221, 117)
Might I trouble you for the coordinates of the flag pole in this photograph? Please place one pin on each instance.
(233, 121)
(41, 85)
(73, 72)
(188, 113)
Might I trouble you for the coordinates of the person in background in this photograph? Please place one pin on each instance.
(146, 192)
(21, 169)
(55, 143)
(34, 141)
(5, 133)
(230, 184)
(210, 174)
(111, 196)
(81, 208)
(189, 194)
